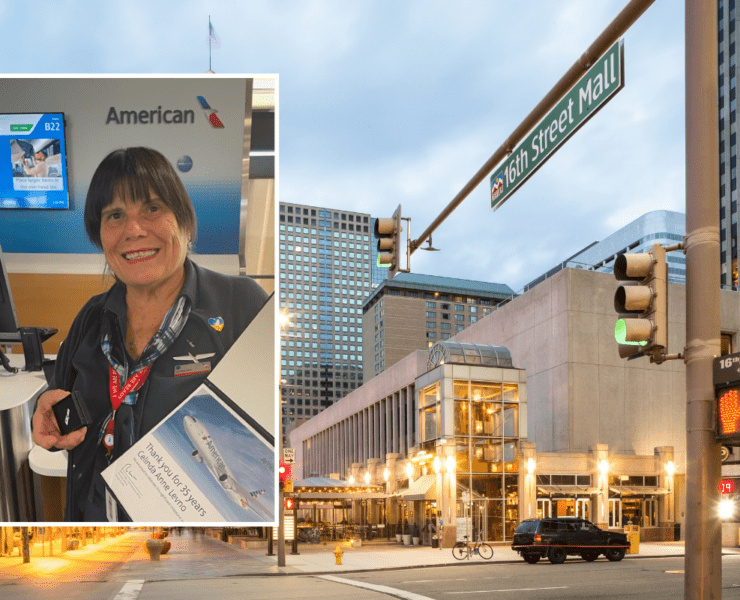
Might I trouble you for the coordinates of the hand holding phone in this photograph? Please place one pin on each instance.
(46, 431)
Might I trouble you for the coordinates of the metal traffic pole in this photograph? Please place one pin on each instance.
(703, 566)
(619, 25)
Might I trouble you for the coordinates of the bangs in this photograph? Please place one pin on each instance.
(133, 175)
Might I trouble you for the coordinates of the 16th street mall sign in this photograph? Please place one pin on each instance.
(603, 80)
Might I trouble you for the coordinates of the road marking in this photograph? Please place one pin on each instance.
(383, 589)
(560, 587)
(130, 590)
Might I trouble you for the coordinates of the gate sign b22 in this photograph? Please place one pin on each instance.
(599, 85)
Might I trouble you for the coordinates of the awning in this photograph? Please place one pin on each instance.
(568, 490)
(421, 489)
(340, 495)
(638, 490)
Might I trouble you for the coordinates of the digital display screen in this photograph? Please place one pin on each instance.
(33, 161)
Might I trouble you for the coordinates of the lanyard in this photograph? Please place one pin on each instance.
(117, 394)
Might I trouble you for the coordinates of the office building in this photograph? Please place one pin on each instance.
(325, 258)
(411, 312)
(662, 226)
(727, 82)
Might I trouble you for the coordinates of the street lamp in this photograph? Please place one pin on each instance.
(409, 471)
(530, 465)
(367, 477)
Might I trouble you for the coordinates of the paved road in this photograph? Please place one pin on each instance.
(651, 578)
(201, 568)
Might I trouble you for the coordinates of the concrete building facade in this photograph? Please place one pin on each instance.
(598, 436)
(412, 312)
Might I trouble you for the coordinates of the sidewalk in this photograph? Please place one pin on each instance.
(94, 562)
(194, 556)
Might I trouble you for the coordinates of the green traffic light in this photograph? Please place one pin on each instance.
(382, 265)
(620, 334)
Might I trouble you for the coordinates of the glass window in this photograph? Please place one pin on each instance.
(431, 315)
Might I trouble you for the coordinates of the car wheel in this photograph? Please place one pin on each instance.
(615, 554)
(532, 558)
(557, 555)
(590, 556)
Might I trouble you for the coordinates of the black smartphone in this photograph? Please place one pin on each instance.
(71, 413)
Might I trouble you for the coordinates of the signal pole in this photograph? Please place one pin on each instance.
(703, 567)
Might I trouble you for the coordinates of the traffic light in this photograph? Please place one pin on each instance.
(642, 303)
(388, 232)
(726, 376)
(283, 473)
(289, 503)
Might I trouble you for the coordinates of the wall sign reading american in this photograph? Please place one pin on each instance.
(599, 85)
(149, 117)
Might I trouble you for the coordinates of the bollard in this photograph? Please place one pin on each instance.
(338, 554)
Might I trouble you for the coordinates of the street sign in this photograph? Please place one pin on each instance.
(727, 486)
(289, 455)
(727, 369)
(599, 85)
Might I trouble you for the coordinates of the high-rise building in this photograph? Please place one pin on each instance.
(325, 259)
(727, 81)
(665, 227)
(411, 312)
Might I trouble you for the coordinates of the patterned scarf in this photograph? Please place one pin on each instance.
(113, 346)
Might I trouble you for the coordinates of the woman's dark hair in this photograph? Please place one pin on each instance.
(132, 174)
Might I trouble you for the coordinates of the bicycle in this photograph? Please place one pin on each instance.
(464, 550)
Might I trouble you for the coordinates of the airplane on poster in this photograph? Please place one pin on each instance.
(207, 452)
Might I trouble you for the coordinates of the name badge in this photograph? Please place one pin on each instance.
(192, 369)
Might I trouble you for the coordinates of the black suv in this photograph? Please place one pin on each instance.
(557, 538)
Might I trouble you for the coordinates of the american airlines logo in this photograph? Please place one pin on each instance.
(212, 118)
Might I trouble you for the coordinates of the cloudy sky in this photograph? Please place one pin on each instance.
(383, 102)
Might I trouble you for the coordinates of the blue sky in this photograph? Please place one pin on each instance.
(382, 103)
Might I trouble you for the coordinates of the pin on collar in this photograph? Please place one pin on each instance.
(217, 323)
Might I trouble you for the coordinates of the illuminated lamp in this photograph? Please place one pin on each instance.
(530, 465)
(437, 464)
(409, 470)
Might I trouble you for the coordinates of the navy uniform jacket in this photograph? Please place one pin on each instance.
(82, 366)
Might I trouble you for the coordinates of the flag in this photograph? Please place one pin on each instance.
(213, 40)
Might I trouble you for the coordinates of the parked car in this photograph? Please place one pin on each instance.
(556, 538)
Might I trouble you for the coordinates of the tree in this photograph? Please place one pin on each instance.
(26, 545)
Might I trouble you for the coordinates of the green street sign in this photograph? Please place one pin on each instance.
(599, 85)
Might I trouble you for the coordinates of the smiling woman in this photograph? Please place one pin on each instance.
(119, 352)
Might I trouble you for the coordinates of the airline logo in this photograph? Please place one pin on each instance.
(212, 117)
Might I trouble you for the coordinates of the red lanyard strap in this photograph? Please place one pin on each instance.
(117, 393)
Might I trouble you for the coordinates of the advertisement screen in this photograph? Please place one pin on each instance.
(33, 165)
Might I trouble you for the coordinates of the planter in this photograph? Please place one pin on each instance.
(416, 540)
(398, 538)
(154, 547)
(406, 539)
